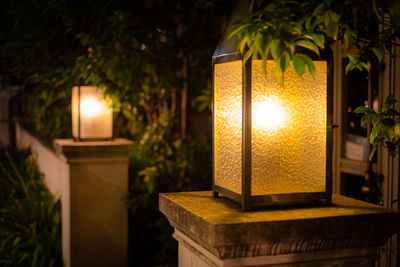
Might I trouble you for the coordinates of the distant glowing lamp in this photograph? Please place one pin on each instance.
(92, 117)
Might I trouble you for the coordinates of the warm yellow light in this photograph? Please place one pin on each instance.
(288, 153)
(228, 125)
(288, 129)
(91, 113)
(269, 115)
(90, 107)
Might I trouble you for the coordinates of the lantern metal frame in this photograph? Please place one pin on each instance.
(79, 138)
(245, 199)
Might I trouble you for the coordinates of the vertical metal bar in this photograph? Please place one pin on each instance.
(215, 193)
(246, 138)
(329, 130)
(79, 112)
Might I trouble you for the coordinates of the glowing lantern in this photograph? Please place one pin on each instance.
(92, 117)
(271, 142)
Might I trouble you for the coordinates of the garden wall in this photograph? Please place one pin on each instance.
(55, 170)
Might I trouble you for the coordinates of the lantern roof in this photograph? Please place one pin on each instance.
(227, 46)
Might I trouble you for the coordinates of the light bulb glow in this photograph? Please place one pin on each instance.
(269, 115)
(90, 107)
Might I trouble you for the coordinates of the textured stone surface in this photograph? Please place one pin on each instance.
(74, 149)
(222, 228)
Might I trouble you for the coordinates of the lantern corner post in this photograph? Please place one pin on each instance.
(215, 193)
(246, 138)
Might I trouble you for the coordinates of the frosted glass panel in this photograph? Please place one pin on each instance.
(288, 131)
(95, 113)
(228, 125)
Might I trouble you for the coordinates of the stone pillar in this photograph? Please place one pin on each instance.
(215, 232)
(94, 215)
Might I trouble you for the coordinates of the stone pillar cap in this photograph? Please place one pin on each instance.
(220, 226)
(69, 148)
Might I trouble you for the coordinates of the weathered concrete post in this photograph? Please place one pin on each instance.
(94, 215)
(215, 232)
(91, 178)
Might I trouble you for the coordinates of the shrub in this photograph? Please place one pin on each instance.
(30, 228)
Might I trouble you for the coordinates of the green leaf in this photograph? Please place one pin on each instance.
(366, 118)
(310, 64)
(242, 44)
(363, 110)
(297, 27)
(308, 22)
(374, 7)
(248, 54)
(251, 31)
(264, 65)
(397, 130)
(279, 74)
(388, 125)
(299, 64)
(378, 53)
(371, 155)
(318, 9)
(309, 45)
(389, 132)
(364, 65)
(376, 119)
(374, 132)
(237, 29)
(390, 100)
(349, 67)
(259, 43)
(355, 62)
(319, 39)
(331, 20)
(284, 61)
(348, 40)
(276, 48)
(353, 57)
(267, 48)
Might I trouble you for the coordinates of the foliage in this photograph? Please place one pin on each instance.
(153, 58)
(50, 109)
(161, 170)
(291, 31)
(385, 126)
(30, 228)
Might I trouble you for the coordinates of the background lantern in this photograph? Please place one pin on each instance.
(271, 142)
(92, 117)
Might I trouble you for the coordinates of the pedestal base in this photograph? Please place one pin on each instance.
(192, 254)
(215, 232)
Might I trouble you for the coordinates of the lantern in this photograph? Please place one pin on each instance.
(271, 142)
(92, 117)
